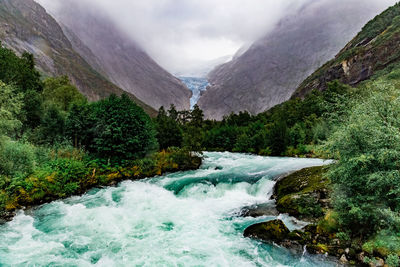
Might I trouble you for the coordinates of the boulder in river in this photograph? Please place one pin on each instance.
(258, 210)
(275, 231)
(303, 194)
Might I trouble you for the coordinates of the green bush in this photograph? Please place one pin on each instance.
(16, 159)
(366, 176)
(10, 109)
(393, 260)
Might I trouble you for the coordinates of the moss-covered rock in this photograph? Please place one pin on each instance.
(304, 194)
(275, 231)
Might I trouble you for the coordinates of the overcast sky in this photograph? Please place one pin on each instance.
(182, 34)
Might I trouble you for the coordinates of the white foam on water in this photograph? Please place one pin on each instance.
(183, 219)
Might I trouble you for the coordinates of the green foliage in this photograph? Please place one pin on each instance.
(16, 158)
(379, 24)
(169, 132)
(383, 244)
(367, 175)
(51, 130)
(393, 260)
(329, 225)
(10, 109)
(122, 130)
(61, 93)
(19, 71)
(78, 125)
(32, 110)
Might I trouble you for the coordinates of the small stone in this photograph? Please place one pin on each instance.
(347, 250)
(343, 259)
(378, 262)
(361, 257)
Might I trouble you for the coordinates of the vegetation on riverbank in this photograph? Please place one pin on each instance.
(293, 128)
(360, 129)
(54, 143)
(360, 222)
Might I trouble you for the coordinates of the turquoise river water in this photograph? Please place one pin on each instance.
(182, 219)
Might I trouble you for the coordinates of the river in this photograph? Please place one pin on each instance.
(181, 219)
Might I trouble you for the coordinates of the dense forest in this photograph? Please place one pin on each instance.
(54, 143)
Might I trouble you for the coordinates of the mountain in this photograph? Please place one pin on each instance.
(116, 56)
(26, 26)
(273, 67)
(372, 53)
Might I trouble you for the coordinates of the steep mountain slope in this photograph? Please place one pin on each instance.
(26, 26)
(373, 52)
(119, 58)
(272, 68)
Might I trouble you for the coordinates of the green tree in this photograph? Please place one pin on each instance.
(173, 113)
(169, 133)
(52, 128)
(123, 131)
(196, 117)
(19, 71)
(367, 174)
(60, 92)
(79, 125)
(278, 137)
(11, 103)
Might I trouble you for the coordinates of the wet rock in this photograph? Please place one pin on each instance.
(304, 194)
(258, 210)
(294, 247)
(343, 259)
(377, 262)
(272, 231)
(6, 216)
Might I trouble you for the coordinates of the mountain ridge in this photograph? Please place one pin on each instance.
(374, 49)
(26, 26)
(120, 58)
(272, 68)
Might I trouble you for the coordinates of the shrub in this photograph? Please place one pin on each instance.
(10, 109)
(16, 159)
(367, 176)
(393, 260)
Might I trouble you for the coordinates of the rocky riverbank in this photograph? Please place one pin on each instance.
(306, 195)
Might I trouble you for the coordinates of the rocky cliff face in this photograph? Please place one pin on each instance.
(273, 67)
(373, 50)
(120, 59)
(26, 26)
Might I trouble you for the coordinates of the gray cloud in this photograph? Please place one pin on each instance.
(181, 34)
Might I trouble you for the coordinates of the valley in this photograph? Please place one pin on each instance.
(285, 155)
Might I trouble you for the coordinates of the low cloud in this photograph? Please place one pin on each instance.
(179, 34)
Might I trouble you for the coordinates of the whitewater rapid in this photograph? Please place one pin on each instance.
(182, 219)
